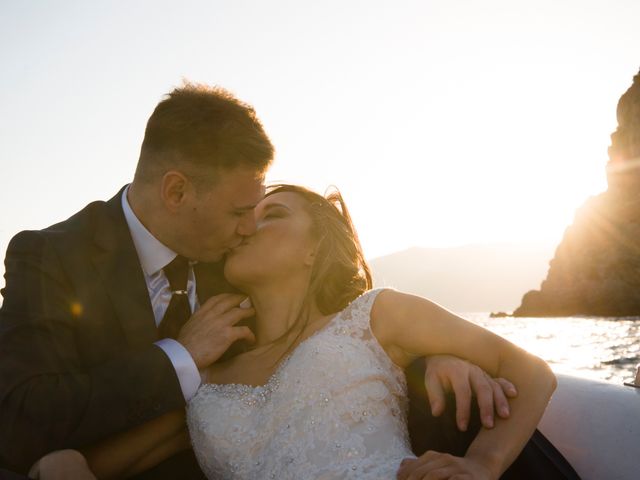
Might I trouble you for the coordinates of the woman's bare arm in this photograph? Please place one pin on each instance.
(408, 326)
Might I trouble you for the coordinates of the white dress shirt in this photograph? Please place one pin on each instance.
(154, 256)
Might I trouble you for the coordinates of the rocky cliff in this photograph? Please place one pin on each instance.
(596, 267)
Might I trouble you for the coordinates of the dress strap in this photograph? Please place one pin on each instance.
(368, 298)
(356, 317)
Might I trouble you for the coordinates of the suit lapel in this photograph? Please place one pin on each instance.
(117, 263)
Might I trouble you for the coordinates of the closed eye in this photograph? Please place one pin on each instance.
(274, 211)
(241, 213)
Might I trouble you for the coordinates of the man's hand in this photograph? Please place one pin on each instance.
(446, 373)
(62, 465)
(442, 466)
(211, 330)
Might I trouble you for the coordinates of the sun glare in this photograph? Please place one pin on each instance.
(508, 160)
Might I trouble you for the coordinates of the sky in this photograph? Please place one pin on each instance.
(443, 123)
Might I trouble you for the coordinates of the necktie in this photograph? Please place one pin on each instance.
(179, 310)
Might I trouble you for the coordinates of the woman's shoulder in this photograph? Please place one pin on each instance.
(376, 309)
(388, 305)
(362, 304)
(375, 312)
(369, 296)
(381, 300)
(389, 301)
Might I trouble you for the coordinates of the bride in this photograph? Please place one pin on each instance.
(321, 394)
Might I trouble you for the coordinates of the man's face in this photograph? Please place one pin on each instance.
(217, 219)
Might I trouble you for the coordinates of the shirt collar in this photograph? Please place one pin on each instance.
(153, 254)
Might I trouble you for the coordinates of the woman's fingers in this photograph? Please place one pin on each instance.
(427, 472)
(407, 466)
(429, 465)
(441, 466)
(410, 465)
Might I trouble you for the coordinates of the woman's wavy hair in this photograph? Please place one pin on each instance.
(340, 273)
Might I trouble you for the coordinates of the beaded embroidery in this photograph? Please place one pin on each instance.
(335, 408)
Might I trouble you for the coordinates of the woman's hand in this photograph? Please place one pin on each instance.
(442, 466)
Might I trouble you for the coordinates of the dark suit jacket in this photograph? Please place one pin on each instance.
(76, 337)
(539, 460)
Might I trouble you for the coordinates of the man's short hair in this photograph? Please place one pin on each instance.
(202, 129)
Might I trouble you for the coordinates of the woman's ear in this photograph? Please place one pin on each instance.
(312, 254)
(310, 258)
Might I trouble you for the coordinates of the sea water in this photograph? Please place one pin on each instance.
(592, 347)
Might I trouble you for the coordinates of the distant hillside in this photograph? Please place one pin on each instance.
(473, 278)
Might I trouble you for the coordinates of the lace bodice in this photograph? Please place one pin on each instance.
(334, 409)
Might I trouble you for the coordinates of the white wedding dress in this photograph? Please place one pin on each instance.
(334, 409)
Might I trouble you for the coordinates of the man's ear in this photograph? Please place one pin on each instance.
(173, 190)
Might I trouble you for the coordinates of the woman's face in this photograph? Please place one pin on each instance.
(281, 247)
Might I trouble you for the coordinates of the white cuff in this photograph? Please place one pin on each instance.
(185, 367)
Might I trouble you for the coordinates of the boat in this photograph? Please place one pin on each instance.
(596, 426)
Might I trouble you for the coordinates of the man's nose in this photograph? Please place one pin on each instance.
(247, 225)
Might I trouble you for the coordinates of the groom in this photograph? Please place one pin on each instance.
(88, 311)
(92, 341)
